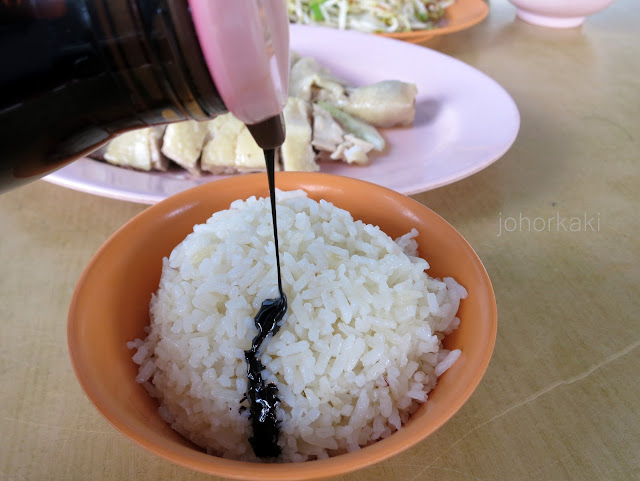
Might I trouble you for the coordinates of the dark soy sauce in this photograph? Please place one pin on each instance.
(269, 158)
(263, 397)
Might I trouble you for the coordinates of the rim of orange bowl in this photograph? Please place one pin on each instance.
(472, 12)
(307, 470)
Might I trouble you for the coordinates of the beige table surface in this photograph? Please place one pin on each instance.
(561, 397)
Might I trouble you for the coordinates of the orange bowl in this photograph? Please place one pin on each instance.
(110, 307)
(461, 15)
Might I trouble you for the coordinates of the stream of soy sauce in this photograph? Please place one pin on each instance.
(262, 396)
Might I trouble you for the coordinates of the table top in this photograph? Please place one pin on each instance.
(555, 221)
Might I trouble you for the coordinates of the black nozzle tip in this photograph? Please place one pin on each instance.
(270, 133)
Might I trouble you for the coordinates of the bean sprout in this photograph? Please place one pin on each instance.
(369, 15)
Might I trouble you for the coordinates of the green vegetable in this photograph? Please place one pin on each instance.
(316, 12)
(355, 126)
(369, 15)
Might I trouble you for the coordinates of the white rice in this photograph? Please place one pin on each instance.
(358, 352)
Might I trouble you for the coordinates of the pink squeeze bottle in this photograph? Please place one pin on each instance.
(246, 46)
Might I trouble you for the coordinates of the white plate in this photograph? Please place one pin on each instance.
(464, 122)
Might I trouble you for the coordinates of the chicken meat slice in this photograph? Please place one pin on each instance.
(158, 160)
(308, 79)
(352, 150)
(327, 132)
(219, 153)
(183, 142)
(384, 104)
(249, 157)
(231, 148)
(138, 149)
(297, 153)
(336, 142)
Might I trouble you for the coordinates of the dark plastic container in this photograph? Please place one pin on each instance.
(75, 73)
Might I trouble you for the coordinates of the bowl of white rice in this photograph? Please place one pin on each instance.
(390, 325)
